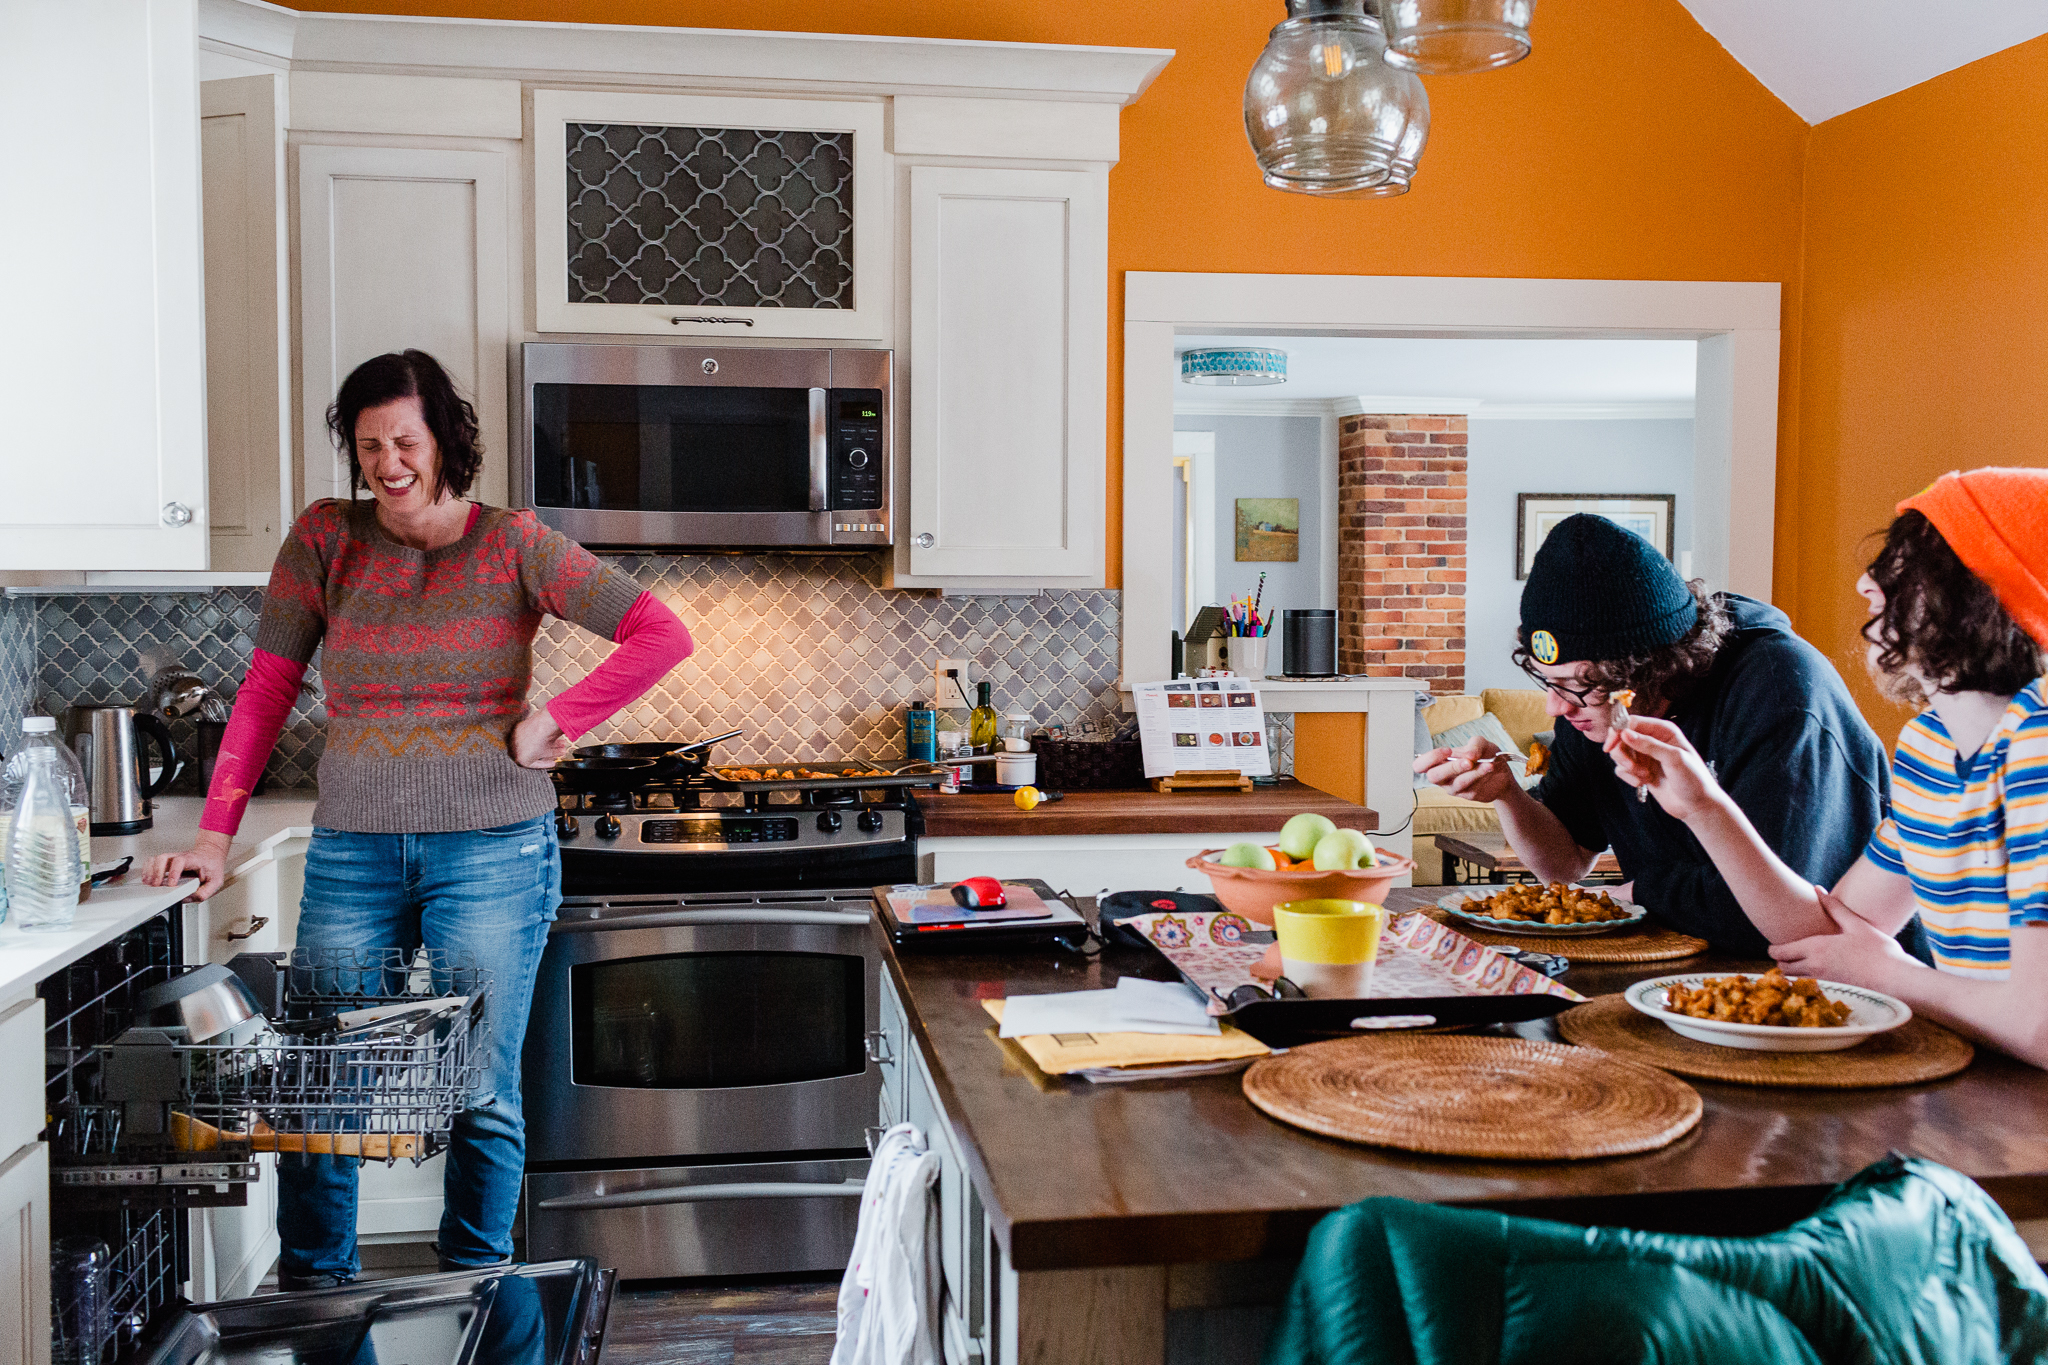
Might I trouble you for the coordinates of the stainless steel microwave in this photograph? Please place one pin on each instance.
(682, 447)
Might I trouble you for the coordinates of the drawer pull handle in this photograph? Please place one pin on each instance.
(700, 1194)
(873, 1135)
(878, 1048)
(256, 924)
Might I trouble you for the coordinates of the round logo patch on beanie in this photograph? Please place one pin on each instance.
(1543, 645)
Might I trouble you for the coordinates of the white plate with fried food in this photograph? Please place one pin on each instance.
(1806, 1015)
(1556, 909)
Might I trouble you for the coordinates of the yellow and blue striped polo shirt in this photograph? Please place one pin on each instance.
(1972, 834)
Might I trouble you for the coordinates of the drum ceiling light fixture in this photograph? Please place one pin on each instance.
(1233, 365)
(1332, 109)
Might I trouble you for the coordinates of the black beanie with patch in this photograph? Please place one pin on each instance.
(1598, 592)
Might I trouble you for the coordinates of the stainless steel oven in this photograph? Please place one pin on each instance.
(706, 447)
(701, 1074)
(698, 1082)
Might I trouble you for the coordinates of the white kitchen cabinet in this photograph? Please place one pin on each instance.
(25, 1256)
(402, 247)
(1008, 299)
(103, 374)
(704, 215)
(248, 306)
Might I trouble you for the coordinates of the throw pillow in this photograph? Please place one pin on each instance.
(1487, 727)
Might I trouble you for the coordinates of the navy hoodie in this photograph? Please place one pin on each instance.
(1783, 735)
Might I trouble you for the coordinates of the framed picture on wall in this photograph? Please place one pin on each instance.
(1649, 515)
(1268, 530)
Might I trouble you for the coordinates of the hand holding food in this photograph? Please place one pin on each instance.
(1556, 903)
(1772, 999)
(1656, 758)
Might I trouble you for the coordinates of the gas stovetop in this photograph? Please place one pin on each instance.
(757, 809)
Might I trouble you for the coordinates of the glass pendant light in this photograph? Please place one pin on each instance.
(1325, 113)
(1453, 37)
(1235, 366)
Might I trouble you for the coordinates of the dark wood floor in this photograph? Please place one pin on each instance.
(742, 1323)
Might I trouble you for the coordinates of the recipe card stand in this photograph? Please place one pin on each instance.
(1229, 780)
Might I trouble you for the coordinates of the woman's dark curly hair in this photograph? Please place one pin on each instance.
(1941, 621)
(411, 374)
(1668, 674)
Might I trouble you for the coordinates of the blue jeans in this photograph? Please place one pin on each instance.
(487, 893)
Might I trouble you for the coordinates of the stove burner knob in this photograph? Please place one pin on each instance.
(869, 820)
(829, 822)
(566, 826)
(608, 827)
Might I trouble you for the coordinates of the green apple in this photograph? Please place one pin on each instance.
(1343, 850)
(1299, 836)
(1248, 855)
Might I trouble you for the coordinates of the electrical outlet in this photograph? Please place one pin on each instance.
(944, 694)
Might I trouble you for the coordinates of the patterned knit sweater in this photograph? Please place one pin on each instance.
(426, 657)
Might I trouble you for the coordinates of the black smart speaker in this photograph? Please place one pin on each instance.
(1308, 643)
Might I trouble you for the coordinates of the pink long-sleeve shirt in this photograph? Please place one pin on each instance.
(651, 641)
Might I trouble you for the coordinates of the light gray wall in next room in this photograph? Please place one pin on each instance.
(1267, 457)
(1512, 457)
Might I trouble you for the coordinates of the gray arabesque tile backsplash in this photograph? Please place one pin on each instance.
(809, 654)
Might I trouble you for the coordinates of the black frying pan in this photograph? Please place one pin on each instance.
(669, 760)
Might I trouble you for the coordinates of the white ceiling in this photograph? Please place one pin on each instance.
(1826, 57)
(1481, 377)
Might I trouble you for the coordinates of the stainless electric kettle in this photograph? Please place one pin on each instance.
(108, 742)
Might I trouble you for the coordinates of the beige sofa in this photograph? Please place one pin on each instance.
(1521, 714)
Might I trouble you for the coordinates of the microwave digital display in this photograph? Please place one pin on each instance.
(859, 412)
(651, 448)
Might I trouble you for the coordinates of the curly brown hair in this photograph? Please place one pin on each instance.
(1666, 675)
(411, 374)
(1941, 621)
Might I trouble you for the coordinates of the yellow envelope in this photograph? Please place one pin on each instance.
(1058, 1053)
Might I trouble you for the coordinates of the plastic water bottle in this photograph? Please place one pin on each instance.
(40, 733)
(42, 846)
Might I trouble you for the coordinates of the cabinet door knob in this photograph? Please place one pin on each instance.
(177, 514)
(925, 540)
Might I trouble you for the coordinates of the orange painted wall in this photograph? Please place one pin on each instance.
(1925, 335)
(1630, 146)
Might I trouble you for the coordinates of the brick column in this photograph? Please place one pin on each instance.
(1401, 549)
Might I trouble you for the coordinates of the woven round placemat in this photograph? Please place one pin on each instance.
(1641, 943)
(1918, 1050)
(1487, 1097)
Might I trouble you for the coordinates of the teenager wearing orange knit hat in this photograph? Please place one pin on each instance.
(1958, 621)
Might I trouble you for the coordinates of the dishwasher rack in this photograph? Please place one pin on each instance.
(173, 1114)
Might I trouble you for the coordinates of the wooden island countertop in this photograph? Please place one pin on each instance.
(1141, 811)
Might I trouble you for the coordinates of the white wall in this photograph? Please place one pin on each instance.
(1511, 457)
(1266, 457)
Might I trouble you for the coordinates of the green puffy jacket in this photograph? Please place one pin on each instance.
(1908, 1263)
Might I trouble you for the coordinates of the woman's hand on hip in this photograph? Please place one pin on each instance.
(537, 742)
(208, 857)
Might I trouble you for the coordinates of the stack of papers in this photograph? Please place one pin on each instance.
(1135, 1006)
(1140, 1024)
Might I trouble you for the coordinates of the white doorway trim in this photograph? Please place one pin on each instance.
(1197, 449)
(1736, 404)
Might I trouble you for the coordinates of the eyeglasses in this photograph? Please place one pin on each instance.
(1589, 696)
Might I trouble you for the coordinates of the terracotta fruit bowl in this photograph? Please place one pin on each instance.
(1252, 893)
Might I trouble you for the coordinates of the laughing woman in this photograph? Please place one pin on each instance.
(435, 821)
(1958, 603)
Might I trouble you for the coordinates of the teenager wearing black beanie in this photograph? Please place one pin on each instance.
(1602, 611)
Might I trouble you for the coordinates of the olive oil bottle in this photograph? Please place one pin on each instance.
(981, 726)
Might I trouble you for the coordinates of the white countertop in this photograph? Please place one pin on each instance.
(27, 957)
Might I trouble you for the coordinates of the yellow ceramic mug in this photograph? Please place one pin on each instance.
(1328, 947)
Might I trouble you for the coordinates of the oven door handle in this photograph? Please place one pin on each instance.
(684, 919)
(821, 451)
(698, 1194)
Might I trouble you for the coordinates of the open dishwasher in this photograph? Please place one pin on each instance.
(352, 1054)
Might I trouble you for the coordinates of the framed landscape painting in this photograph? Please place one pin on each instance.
(1268, 530)
(1649, 515)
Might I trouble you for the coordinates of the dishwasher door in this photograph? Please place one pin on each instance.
(547, 1314)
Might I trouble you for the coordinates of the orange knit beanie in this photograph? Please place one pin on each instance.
(1996, 520)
